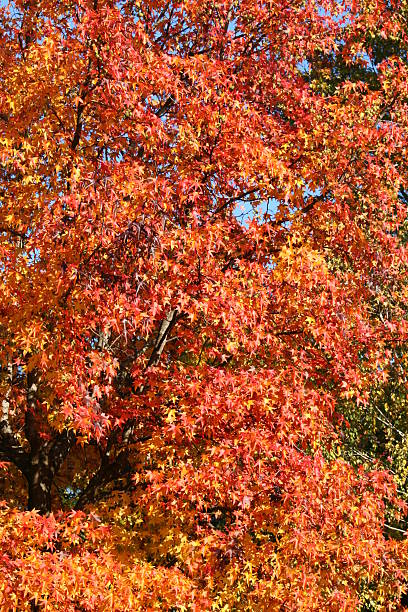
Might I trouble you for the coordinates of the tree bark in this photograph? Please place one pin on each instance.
(44, 462)
(39, 479)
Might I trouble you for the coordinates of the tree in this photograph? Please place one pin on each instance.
(194, 234)
(378, 434)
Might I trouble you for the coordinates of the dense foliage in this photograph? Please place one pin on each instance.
(203, 307)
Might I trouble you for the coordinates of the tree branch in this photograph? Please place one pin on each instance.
(165, 328)
(107, 472)
(60, 449)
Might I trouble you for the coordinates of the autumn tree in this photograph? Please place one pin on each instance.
(199, 230)
(378, 433)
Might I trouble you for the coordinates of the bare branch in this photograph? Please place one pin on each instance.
(165, 328)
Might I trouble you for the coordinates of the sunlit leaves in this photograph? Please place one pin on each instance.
(201, 265)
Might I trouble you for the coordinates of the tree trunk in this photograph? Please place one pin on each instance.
(39, 479)
(43, 464)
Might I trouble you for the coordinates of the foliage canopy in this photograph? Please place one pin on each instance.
(203, 297)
